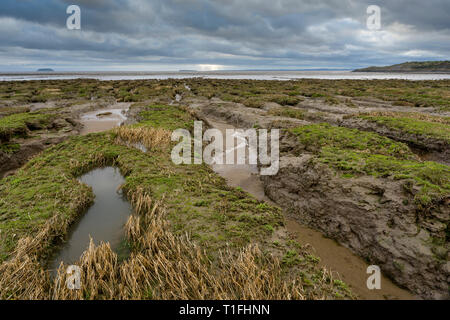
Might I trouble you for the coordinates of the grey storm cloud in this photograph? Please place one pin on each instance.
(234, 34)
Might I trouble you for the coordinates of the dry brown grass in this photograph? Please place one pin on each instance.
(23, 277)
(164, 266)
(149, 137)
(161, 266)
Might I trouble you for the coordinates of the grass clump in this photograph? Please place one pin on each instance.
(316, 136)
(357, 152)
(166, 117)
(288, 113)
(285, 100)
(434, 127)
(20, 123)
(432, 178)
(253, 103)
(9, 148)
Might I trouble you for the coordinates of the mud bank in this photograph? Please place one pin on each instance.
(368, 216)
(375, 218)
(39, 139)
(349, 267)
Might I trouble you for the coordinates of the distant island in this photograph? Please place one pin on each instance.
(45, 70)
(412, 67)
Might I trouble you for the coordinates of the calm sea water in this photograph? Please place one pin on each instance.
(255, 75)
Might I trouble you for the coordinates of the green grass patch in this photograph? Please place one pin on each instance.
(285, 100)
(355, 152)
(18, 124)
(9, 148)
(253, 103)
(288, 113)
(414, 126)
(432, 178)
(316, 136)
(167, 117)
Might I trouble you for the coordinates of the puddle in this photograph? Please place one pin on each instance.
(104, 119)
(103, 221)
(350, 267)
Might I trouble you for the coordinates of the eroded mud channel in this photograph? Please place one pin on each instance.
(348, 266)
(103, 222)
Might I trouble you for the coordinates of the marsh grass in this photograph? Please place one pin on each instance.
(411, 94)
(287, 112)
(151, 138)
(165, 117)
(412, 123)
(161, 266)
(165, 266)
(316, 136)
(364, 153)
(252, 103)
(19, 124)
(219, 250)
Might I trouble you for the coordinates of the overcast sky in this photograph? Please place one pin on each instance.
(151, 35)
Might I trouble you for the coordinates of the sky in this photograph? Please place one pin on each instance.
(204, 35)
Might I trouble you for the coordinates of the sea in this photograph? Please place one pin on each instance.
(251, 75)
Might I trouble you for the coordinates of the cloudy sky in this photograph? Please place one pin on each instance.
(156, 35)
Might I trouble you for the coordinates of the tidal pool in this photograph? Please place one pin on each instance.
(103, 221)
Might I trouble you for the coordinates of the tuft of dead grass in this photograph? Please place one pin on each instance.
(149, 137)
(161, 266)
(164, 266)
(22, 277)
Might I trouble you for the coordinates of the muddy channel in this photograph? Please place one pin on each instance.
(340, 260)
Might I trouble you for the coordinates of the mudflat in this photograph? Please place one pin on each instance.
(364, 179)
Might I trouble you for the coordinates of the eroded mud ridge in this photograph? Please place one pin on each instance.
(362, 162)
(364, 189)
